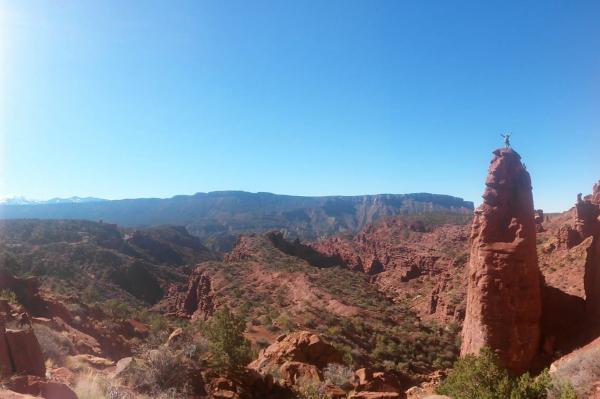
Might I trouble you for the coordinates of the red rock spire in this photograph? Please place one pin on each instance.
(504, 288)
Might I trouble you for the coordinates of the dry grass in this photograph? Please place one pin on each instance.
(581, 371)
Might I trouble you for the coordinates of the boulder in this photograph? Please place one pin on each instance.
(299, 373)
(25, 352)
(36, 386)
(504, 282)
(6, 367)
(301, 347)
(54, 390)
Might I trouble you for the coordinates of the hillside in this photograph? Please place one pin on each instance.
(280, 292)
(218, 217)
(99, 258)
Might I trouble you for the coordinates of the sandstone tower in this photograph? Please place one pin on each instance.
(504, 288)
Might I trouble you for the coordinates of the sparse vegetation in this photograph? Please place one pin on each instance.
(55, 345)
(225, 332)
(9, 296)
(117, 309)
(341, 376)
(480, 377)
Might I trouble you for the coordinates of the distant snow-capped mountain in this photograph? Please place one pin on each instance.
(27, 201)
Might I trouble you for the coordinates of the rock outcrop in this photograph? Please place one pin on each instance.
(26, 290)
(587, 224)
(39, 387)
(587, 214)
(195, 301)
(539, 220)
(405, 254)
(25, 352)
(404, 244)
(504, 282)
(296, 356)
(20, 353)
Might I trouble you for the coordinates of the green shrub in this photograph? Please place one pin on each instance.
(225, 332)
(480, 377)
(117, 309)
(157, 370)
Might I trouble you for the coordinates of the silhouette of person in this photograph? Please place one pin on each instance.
(24, 320)
(506, 139)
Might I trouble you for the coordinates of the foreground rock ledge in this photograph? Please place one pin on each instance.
(504, 295)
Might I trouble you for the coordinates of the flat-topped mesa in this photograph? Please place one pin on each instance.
(504, 284)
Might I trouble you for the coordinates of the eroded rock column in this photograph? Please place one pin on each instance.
(504, 288)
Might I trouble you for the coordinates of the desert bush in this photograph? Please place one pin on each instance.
(94, 386)
(480, 377)
(285, 322)
(339, 375)
(90, 295)
(157, 370)
(311, 391)
(55, 346)
(117, 309)
(225, 332)
(580, 372)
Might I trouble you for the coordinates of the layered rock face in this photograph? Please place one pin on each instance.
(504, 283)
(195, 301)
(406, 254)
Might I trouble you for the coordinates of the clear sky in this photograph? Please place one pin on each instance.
(121, 99)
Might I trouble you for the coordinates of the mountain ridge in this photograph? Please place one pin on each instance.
(218, 217)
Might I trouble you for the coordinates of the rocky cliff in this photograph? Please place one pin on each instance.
(504, 282)
(410, 256)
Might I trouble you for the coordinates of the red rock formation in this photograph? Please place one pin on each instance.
(382, 381)
(504, 292)
(298, 347)
(26, 290)
(539, 220)
(444, 306)
(591, 280)
(587, 213)
(194, 301)
(404, 254)
(33, 385)
(587, 224)
(25, 352)
(6, 367)
(402, 244)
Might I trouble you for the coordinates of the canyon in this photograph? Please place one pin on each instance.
(376, 308)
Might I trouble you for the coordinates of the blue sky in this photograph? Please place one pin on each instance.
(121, 99)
